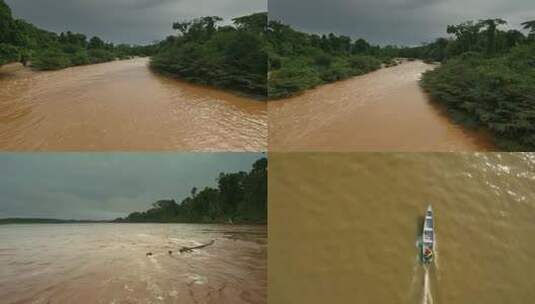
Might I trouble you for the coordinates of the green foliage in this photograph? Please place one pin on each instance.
(96, 43)
(52, 59)
(239, 197)
(22, 41)
(300, 61)
(496, 92)
(8, 53)
(100, 55)
(484, 37)
(230, 57)
(529, 25)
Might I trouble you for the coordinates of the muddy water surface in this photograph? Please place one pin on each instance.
(107, 263)
(123, 106)
(384, 110)
(343, 228)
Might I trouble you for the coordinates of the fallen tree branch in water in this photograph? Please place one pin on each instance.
(189, 249)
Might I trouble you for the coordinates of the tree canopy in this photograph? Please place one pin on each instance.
(240, 197)
(299, 61)
(229, 57)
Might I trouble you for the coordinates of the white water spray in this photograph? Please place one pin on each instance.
(427, 297)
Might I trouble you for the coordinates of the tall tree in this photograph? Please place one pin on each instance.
(466, 34)
(6, 22)
(491, 26)
(96, 43)
(529, 25)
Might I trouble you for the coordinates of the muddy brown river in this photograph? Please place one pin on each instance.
(344, 227)
(123, 106)
(384, 110)
(107, 263)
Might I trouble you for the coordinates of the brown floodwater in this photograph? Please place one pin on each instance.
(344, 228)
(107, 263)
(123, 106)
(385, 110)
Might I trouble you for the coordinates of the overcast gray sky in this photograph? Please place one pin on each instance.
(105, 186)
(126, 21)
(404, 22)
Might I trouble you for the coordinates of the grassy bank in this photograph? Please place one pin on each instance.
(231, 57)
(488, 83)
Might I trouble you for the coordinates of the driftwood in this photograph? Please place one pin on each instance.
(190, 249)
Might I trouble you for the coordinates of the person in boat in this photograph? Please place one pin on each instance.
(428, 253)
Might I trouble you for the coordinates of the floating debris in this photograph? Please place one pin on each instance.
(189, 249)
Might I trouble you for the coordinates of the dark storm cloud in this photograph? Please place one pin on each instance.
(105, 186)
(406, 22)
(126, 21)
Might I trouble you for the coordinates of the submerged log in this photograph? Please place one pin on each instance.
(189, 249)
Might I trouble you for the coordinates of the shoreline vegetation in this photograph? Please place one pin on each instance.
(486, 76)
(23, 42)
(486, 79)
(230, 57)
(300, 61)
(239, 198)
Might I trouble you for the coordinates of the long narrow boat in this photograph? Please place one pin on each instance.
(428, 237)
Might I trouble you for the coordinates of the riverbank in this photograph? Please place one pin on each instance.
(123, 106)
(230, 57)
(11, 67)
(300, 61)
(385, 110)
(496, 93)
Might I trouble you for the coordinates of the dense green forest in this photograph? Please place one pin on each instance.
(231, 56)
(23, 42)
(240, 197)
(486, 79)
(299, 61)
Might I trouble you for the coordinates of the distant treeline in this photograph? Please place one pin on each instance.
(23, 42)
(486, 79)
(299, 61)
(230, 57)
(44, 221)
(240, 197)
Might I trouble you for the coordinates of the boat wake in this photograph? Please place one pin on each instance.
(427, 297)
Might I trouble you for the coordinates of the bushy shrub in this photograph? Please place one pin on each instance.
(80, 58)
(303, 61)
(8, 53)
(227, 57)
(51, 59)
(100, 55)
(295, 76)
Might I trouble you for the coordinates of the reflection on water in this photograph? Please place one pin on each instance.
(122, 105)
(382, 111)
(107, 263)
(344, 228)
